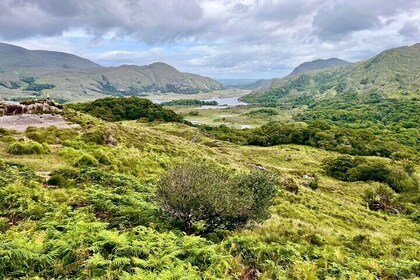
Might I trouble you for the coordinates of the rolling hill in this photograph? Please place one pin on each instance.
(392, 73)
(14, 58)
(27, 74)
(318, 64)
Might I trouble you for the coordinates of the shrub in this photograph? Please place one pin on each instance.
(27, 148)
(339, 167)
(86, 160)
(193, 113)
(57, 180)
(399, 177)
(97, 136)
(130, 108)
(382, 198)
(196, 192)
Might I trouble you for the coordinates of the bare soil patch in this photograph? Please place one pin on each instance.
(22, 122)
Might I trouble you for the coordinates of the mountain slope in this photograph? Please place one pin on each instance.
(26, 74)
(14, 58)
(392, 73)
(318, 64)
(127, 80)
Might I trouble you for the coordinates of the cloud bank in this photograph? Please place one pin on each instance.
(219, 38)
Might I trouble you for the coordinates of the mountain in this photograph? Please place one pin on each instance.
(25, 74)
(15, 58)
(260, 84)
(392, 73)
(318, 64)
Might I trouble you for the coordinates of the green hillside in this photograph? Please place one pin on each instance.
(14, 58)
(76, 205)
(28, 74)
(394, 73)
(318, 64)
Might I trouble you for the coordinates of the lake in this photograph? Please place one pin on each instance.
(224, 102)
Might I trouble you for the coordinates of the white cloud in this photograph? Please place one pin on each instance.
(241, 38)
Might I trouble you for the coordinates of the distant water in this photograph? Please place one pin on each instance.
(224, 102)
(229, 101)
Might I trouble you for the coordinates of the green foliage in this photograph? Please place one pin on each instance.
(39, 87)
(359, 169)
(86, 161)
(96, 135)
(393, 121)
(106, 221)
(27, 148)
(382, 198)
(203, 192)
(318, 134)
(11, 172)
(193, 113)
(130, 108)
(57, 180)
(264, 111)
(50, 135)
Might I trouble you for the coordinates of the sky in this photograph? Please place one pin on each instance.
(220, 38)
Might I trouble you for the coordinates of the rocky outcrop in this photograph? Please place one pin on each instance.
(28, 107)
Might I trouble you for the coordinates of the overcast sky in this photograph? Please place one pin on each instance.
(217, 38)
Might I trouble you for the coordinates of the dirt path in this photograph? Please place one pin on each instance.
(22, 122)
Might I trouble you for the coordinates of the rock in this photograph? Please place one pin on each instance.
(110, 140)
(287, 158)
(258, 167)
(290, 185)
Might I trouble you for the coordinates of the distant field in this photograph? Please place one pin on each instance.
(233, 117)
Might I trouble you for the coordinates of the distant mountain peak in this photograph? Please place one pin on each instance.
(69, 77)
(319, 64)
(14, 57)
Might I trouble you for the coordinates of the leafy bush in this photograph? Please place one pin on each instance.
(27, 148)
(197, 192)
(338, 167)
(398, 176)
(57, 180)
(382, 198)
(264, 111)
(50, 135)
(86, 160)
(131, 108)
(193, 113)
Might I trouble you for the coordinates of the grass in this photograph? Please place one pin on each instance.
(235, 117)
(324, 234)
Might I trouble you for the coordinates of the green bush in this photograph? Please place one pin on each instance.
(202, 192)
(130, 108)
(398, 176)
(193, 113)
(27, 148)
(338, 167)
(57, 180)
(86, 160)
(50, 135)
(97, 136)
(382, 198)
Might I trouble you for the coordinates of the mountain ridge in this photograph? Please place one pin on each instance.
(318, 64)
(392, 73)
(26, 73)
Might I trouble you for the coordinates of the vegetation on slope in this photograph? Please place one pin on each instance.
(131, 108)
(392, 73)
(101, 218)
